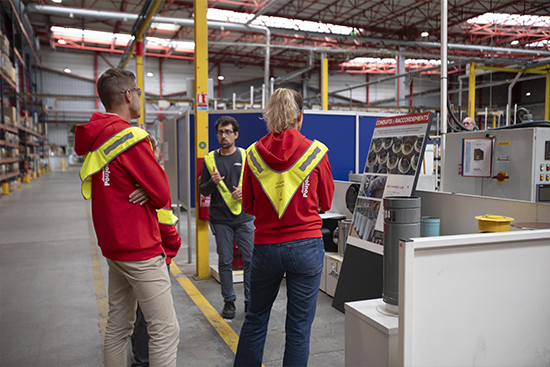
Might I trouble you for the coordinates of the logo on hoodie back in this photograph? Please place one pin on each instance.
(305, 187)
(105, 176)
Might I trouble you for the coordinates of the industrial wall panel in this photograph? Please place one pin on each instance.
(58, 134)
(174, 76)
(237, 79)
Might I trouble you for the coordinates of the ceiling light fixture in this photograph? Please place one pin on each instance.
(424, 34)
(528, 94)
(56, 1)
(515, 42)
(67, 70)
(150, 74)
(62, 42)
(221, 77)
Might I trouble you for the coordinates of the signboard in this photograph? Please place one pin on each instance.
(392, 168)
(202, 102)
(477, 157)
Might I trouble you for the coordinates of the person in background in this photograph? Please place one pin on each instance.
(470, 124)
(171, 243)
(117, 157)
(221, 177)
(287, 181)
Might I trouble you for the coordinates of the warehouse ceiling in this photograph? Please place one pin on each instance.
(343, 29)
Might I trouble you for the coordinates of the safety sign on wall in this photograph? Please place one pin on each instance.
(202, 101)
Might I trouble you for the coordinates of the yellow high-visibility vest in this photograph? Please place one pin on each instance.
(94, 161)
(235, 206)
(280, 187)
(166, 216)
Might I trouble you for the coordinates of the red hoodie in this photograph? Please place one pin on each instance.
(301, 219)
(125, 231)
(171, 240)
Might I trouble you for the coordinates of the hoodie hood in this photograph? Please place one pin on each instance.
(278, 149)
(86, 136)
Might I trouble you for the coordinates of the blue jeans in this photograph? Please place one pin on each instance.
(302, 261)
(244, 235)
(140, 339)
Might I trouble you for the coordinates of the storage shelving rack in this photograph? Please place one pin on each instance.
(21, 94)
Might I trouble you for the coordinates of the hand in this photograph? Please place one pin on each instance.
(215, 177)
(237, 194)
(139, 196)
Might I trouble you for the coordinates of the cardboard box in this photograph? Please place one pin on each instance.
(6, 62)
(7, 121)
(12, 113)
(11, 73)
(5, 45)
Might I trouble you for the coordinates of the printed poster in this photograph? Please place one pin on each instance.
(392, 168)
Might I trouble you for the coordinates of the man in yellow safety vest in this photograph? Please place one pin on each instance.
(221, 177)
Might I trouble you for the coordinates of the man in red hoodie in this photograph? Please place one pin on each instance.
(117, 157)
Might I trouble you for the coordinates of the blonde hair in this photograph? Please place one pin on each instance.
(282, 110)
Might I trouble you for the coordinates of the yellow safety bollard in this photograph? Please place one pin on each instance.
(63, 164)
(34, 175)
(493, 223)
(5, 188)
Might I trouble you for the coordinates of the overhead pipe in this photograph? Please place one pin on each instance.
(456, 90)
(425, 44)
(139, 35)
(124, 17)
(390, 77)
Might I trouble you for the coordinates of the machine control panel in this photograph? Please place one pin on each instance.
(543, 193)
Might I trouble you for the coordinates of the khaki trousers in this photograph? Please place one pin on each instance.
(148, 283)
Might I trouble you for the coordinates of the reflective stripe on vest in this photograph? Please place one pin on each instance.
(235, 206)
(280, 187)
(95, 161)
(166, 216)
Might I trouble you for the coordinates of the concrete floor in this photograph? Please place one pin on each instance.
(48, 310)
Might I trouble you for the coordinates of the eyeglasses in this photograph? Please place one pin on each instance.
(224, 132)
(131, 89)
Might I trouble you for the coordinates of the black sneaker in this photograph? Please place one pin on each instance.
(229, 310)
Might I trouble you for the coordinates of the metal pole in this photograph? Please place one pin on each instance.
(357, 143)
(443, 97)
(486, 116)
(234, 101)
(251, 97)
(515, 113)
(509, 105)
(263, 96)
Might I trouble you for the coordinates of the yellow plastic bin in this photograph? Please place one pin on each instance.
(5, 188)
(493, 223)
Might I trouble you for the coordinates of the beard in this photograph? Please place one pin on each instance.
(225, 144)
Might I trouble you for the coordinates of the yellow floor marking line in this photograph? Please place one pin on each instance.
(225, 331)
(100, 294)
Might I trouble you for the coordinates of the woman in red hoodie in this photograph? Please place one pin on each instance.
(286, 182)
